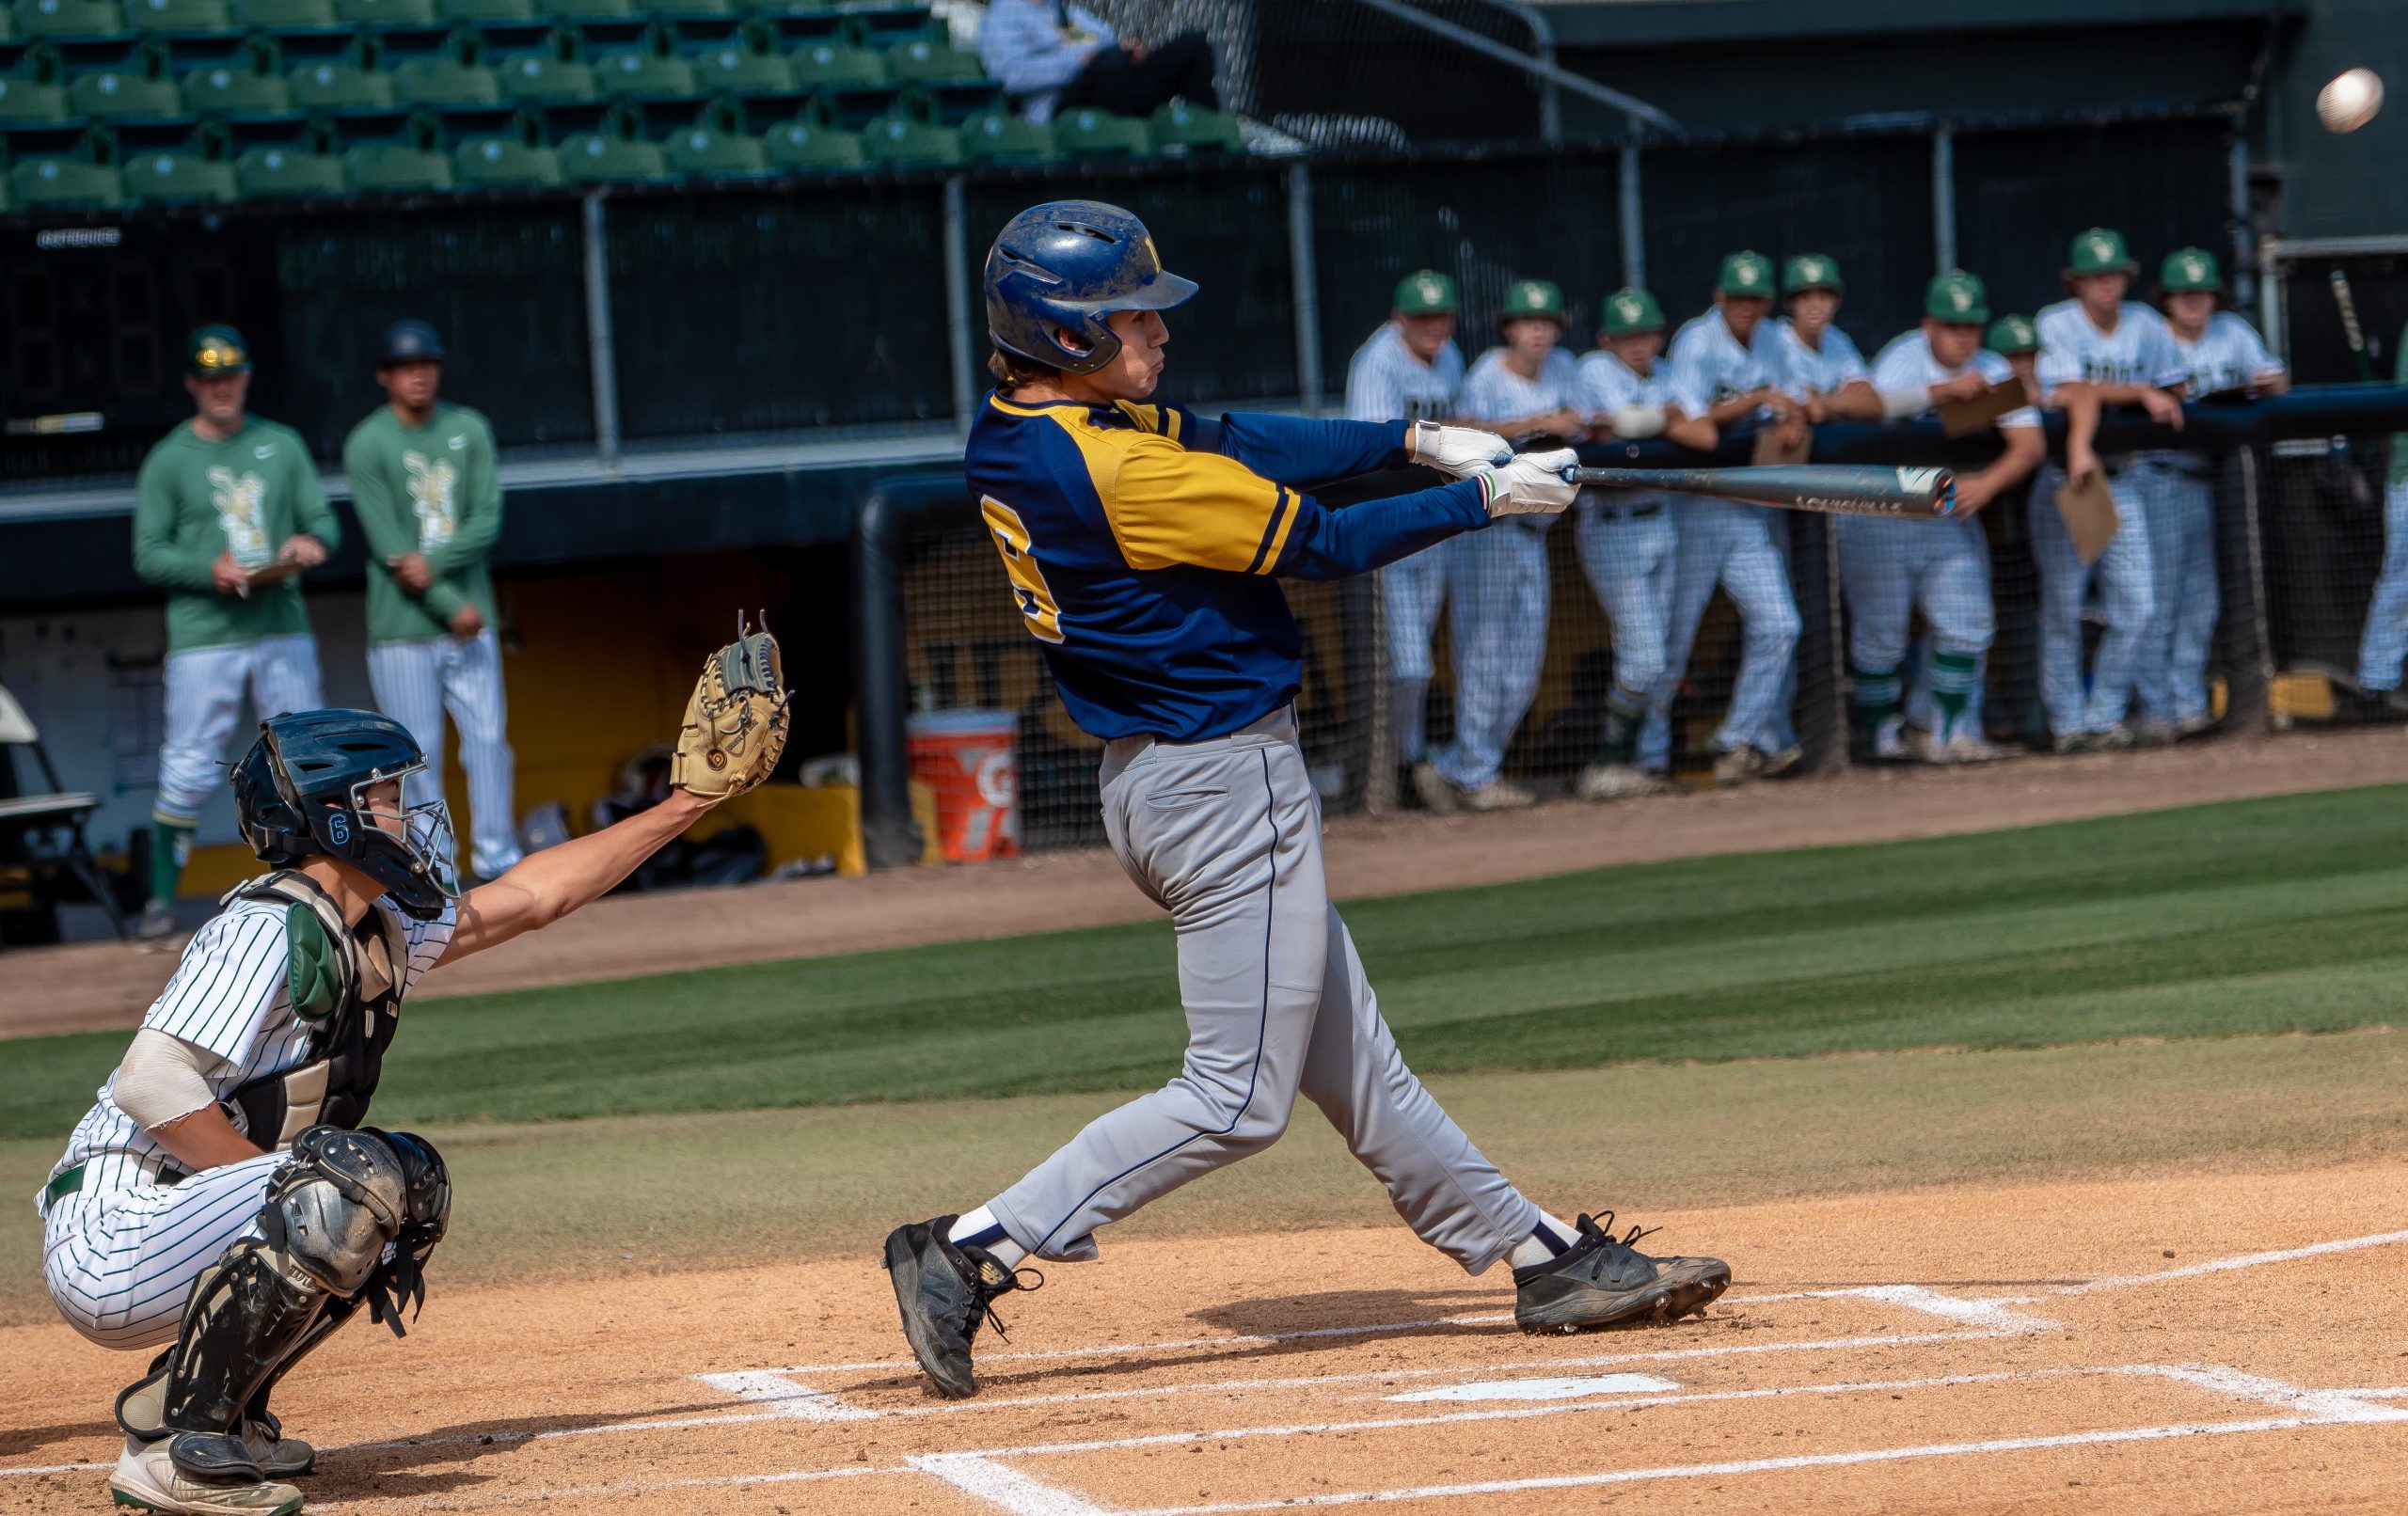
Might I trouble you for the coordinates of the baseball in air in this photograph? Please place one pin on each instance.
(2350, 101)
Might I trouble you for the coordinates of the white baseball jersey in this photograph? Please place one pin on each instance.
(1907, 363)
(229, 997)
(2140, 351)
(1806, 371)
(1709, 361)
(2227, 355)
(1385, 382)
(1493, 392)
(1606, 383)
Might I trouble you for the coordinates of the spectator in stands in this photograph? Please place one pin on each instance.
(1410, 370)
(1051, 56)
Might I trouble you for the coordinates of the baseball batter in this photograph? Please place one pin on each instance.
(1142, 543)
(1889, 568)
(1726, 358)
(1627, 538)
(2219, 352)
(2383, 644)
(224, 1195)
(1410, 370)
(2099, 349)
(1526, 391)
(226, 515)
(423, 483)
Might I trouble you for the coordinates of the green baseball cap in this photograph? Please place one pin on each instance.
(1956, 297)
(2011, 335)
(1812, 271)
(2190, 268)
(2100, 251)
(1532, 298)
(1746, 274)
(214, 352)
(1628, 310)
(1425, 293)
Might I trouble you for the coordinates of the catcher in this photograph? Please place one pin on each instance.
(225, 1194)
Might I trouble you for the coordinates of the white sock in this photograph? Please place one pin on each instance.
(979, 1229)
(1548, 1241)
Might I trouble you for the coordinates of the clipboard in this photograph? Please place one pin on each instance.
(2089, 514)
(271, 574)
(1962, 418)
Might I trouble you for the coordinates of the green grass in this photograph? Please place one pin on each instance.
(2263, 916)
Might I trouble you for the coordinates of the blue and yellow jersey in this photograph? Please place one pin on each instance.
(1142, 543)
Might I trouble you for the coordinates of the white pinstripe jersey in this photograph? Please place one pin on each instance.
(2139, 351)
(1907, 363)
(1607, 384)
(1711, 362)
(1384, 381)
(2227, 355)
(1805, 370)
(229, 997)
(1496, 393)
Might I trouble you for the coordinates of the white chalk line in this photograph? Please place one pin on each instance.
(2245, 1260)
(784, 1397)
(1020, 1494)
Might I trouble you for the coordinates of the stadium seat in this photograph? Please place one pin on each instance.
(887, 26)
(284, 13)
(440, 81)
(901, 142)
(1088, 133)
(500, 160)
(67, 18)
(8, 34)
(925, 62)
(800, 145)
(236, 92)
(744, 71)
(396, 166)
(693, 7)
(266, 173)
(489, 10)
(834, 66)
(644, 73)
(176, 176)
(597, 155)
(25, 103)
(177, 15)
(341, 86)
(1003, 136)
(110, 96)
(1180, 127)
(591, 9)
(539, 79)
(65, 182)
(699, 150)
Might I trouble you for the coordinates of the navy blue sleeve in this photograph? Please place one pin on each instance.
(1323, 543)
(1302, 454)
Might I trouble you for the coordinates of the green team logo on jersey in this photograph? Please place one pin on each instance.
(241, 503)
(430, 486)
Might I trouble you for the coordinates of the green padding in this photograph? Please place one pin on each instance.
(313, 964)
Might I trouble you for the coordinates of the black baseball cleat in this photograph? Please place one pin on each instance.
(1604, 1282)
(944, 1290)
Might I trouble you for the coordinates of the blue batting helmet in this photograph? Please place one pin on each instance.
(301, 789)
(1065, 265)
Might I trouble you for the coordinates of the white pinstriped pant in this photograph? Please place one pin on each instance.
(416, 683)
(119, 1262)
(204, 697)
(2384, 643)
(2125, 593)
(1497, 583)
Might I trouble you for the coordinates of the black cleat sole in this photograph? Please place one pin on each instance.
(903, 1270)
(1659, 1304)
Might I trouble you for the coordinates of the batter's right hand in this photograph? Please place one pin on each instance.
(1459, 451)
(1532, 484)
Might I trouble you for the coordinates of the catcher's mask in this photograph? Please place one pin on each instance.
(302, 789)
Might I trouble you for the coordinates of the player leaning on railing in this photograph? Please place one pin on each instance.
(1142, 543)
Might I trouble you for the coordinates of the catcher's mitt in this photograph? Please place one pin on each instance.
(735, 723)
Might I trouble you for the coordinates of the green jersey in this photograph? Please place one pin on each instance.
(245, 496)
(431, 490)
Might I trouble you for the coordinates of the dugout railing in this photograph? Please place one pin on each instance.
(2300, 484)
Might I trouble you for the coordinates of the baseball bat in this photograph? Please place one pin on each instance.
(2350, 328)
(1922, 493)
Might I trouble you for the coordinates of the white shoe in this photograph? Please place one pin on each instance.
(146, 1478)
(2193, 725)
(1780, 761)
(1499, 795)
(1965, 748)
(1890, 742)
(1437, 797)
(1739, 764)
(1618, 782)
(278, 1457)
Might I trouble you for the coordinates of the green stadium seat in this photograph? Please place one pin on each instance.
(591, 9)
(284, 13)
(440, 81)
(898, 141)
(540, 79)
(236, 92)
(834, 66)
(113, 96)
(396, 167)
(597, 156)
(744, 71)
(1003, 136)
(489, 10)
(64, 182)
(644, 73)
(698, 149)
(266, 173)
(1088, 133)
(177, 15)
(693, 7)
(800, 145)
(1180, 127)
(67, 18)
(8, 34)
(922, 61)
(23, 102)
(341, 87)
(176, 176)
(500, 160)
(386, 12)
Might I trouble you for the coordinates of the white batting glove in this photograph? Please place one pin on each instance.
(1532, 484)
(1458, 451)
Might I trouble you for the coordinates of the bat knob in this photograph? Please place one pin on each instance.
(1570, 473)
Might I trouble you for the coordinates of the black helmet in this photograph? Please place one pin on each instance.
(301, 789)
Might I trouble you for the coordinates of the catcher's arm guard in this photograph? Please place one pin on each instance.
(735, 721)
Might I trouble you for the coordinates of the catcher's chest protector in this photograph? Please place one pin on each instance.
(346, 984)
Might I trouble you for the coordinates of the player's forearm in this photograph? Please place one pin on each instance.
(2120, 394)
(381, 523)
(545, 886)
(1336, 545)
(2026, 446)
(173, 568)
(1857, 402)
(1695, 432)
(2080, 403)
(1305, 454)
(205, 1140)
(1728, 411)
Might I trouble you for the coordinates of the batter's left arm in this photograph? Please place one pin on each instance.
(1305, 454)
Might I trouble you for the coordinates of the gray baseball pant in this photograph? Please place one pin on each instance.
(1226, 836)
